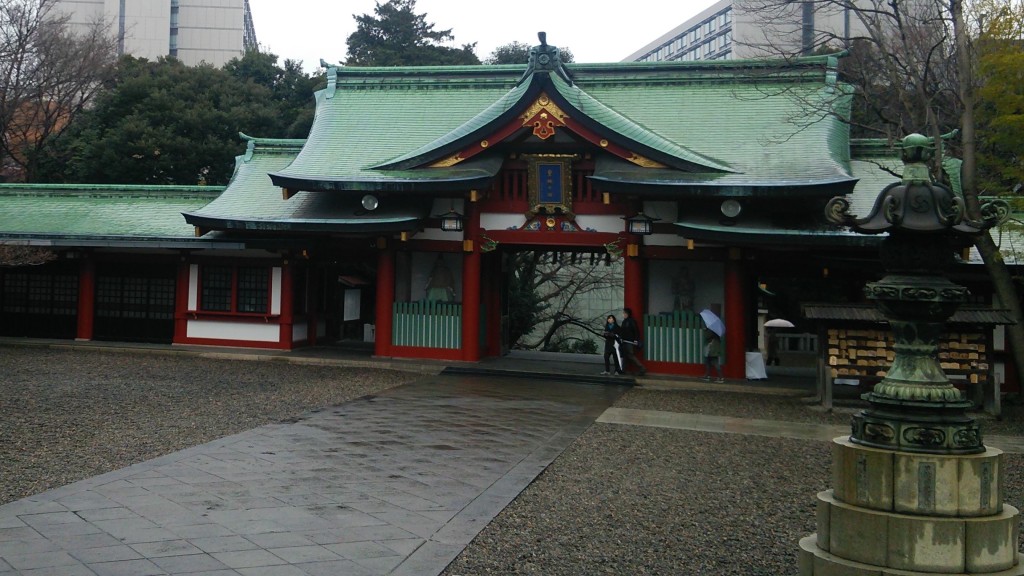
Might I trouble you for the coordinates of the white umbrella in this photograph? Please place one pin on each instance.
(713, 322)
(778, 323)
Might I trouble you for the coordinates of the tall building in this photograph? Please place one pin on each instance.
(738, 29)
(193, 31)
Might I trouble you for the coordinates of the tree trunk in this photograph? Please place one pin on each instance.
(1005, 290)
(999, 274)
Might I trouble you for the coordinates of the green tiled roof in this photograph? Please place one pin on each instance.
(252, 202)
(756, 124)
(251, 193)
(376, 115)
(874, 173)
(745, 118)
(80, 211)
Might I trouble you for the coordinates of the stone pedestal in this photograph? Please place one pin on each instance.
(899, 513)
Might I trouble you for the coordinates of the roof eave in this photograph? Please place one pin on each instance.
(368, 225)
(665, 190)
(736, 235)
(384, 184)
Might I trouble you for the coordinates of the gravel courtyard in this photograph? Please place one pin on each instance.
(620, 500)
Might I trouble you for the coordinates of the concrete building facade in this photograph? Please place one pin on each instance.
(193, 31)
(740, 29)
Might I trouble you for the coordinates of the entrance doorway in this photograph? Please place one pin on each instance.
(556, 300)
(349, 302)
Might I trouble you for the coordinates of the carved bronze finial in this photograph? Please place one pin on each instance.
(546, 58)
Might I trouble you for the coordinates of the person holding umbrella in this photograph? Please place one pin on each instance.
(712, 355)
(714, 329)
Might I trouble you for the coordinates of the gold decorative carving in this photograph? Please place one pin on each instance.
(449, 161)
(484, 143)
(603, 143)
(549, 115)
(644, 162)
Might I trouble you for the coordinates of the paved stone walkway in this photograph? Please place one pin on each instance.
(396, 484)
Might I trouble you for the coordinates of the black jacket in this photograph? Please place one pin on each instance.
(629, 331)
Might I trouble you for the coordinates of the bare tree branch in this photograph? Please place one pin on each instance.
(48, 74)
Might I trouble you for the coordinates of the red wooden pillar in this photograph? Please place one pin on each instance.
(385, 300)
(181, 300)
(471, 285)
(735, 317)
(633, 288)
(86, 298)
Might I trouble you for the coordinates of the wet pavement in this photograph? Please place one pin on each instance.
(398, 483)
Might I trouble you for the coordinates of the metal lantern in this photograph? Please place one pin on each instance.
(451, 221)
(641, 224)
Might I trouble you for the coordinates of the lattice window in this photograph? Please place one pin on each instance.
(253, 290)
(244, 290)
(161, 298)
(65, 294)
(15, 295)
(216, 292)
(52, 294)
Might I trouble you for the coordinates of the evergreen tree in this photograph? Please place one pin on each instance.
(397, 36)
(48, 75)
(165, 123)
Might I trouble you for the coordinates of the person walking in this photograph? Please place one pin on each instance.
(712, 354)
(629, 332)
(611, 346)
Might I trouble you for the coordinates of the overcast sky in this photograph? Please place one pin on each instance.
(595, 31)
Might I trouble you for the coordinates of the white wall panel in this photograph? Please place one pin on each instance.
(227, 330)
(193, 287)
(275, 290)
(501, 221)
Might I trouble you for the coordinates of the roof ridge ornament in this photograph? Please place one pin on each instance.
(546, 58)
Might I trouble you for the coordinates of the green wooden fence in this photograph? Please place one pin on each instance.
(674, 337)
(427, 324)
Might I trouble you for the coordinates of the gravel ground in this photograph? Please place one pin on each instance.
(620, 500)
(68, 414)
(635, 500)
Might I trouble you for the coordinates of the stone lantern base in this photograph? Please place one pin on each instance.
(895, 513)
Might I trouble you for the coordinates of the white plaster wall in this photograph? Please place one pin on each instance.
(299, 332)
(601, 223)
(492, 221)
(193, 287)
(275, 290)
(227, 330)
